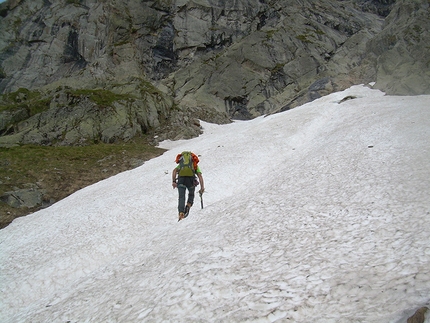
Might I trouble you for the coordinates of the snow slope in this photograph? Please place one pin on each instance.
(317, 214)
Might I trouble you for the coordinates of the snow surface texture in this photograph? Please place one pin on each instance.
(317, 214)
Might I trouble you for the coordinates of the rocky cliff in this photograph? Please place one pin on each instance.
(79, 71)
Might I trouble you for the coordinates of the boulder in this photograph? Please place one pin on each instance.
(24, 198)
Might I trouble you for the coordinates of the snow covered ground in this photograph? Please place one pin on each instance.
(317, 214)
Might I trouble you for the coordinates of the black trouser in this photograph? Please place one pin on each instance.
(185, 183)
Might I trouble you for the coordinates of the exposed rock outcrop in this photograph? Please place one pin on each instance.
(401, 49)
(28, 197)
(171, 61)
(419, 316)
(72, 117)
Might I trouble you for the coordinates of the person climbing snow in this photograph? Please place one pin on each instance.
(184, 178)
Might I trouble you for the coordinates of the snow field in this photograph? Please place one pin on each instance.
(320, 214)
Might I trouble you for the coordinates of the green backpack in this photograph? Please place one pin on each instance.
(187, 163)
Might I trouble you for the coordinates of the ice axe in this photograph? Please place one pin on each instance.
(201, 198)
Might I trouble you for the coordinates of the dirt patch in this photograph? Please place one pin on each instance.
(61, 171)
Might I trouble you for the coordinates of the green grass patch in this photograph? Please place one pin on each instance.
(32, 101)
(270, 33)
(278, 67)
(147, 87)
(303, 38)
(60, 171)
(103, 98)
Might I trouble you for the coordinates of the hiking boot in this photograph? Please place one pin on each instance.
(181, 216)
(187, 210)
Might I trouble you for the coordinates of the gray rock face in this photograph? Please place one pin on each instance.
(72, 117)
(379, 7)
(272, 66)
(214, 59)
(24, 198)
(401, 49)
